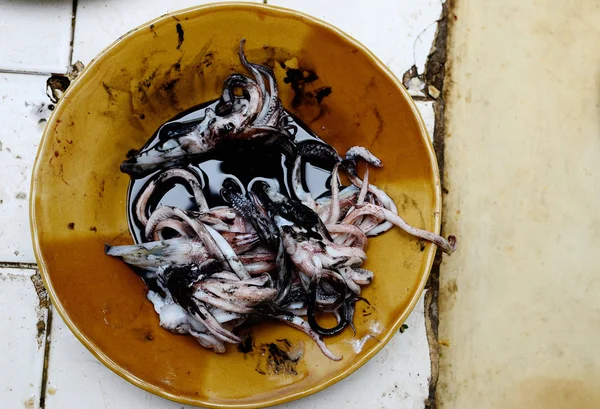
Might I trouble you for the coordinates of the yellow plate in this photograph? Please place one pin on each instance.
(78, 198)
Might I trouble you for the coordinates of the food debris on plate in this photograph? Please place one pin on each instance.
(258, 225)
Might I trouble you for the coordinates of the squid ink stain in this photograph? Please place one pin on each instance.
(246, 164)
(179, 35)
(297, 79)
(279, 358)
(131, 153)
(321, 93)
(247, 344)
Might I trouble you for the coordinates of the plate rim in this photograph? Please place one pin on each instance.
(130, 377)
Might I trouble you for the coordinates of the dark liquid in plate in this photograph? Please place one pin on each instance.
(261, 162)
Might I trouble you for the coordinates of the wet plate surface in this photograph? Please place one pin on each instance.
(149, 76)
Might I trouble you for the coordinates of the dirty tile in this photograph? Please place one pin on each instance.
(397, 377)
(23, 112)
(22, 332)
(399, 32)
(99, 23)
(35, 35)
(428, 115)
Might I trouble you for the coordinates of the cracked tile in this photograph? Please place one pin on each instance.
(399, 32)
(35, 35)
(22, 332)
(396, 377)
(24, 109)
(99, 23)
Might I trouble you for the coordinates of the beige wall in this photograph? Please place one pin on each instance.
(520, 299)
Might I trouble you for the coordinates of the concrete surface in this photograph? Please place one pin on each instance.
(519, 306)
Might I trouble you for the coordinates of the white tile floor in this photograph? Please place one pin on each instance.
(35, 35)
(23, 111)
(39, 34)
(22, 339)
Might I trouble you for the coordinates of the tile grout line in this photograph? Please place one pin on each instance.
(44, 384)
(72, 43)
(71, 47)
(434, 75)
(18, 265)
(24, 72)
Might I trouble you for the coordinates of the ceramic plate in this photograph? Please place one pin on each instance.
(145, 78)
